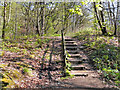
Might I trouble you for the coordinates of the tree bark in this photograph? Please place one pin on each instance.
(103, 22)
(9, 17)
(42, 18)
(99, 22)
(37, 20)
(110, 12)
(115, 18)
(4, 21)
(15, 23)
(28, 19)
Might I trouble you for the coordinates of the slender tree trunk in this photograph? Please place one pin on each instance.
(103, 22)
(9, 17)
(101, 27)
(15, 23)
(4, 21)
(95, 9)
(45, 27)
(25, 27)
(28, 20)
(37, 20)
(34, 23)
(115, 18)
(73, 20)
(95, 25)
(109, 23)
(42, 18)
(110, 13)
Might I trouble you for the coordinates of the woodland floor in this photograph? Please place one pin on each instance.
(46, 66)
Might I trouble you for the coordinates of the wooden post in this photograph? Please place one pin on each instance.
(63, 54)
(63, 45)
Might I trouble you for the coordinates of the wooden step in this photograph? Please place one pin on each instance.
(69, 39)
(67, 45)
(71, 48)
(81, 72)
(72, 51)
(78, 67)
(83, 66)
(70, 42)
(75, 61)
(78, 59)
(75, 56)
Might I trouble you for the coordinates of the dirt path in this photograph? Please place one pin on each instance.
(48, 74)
(86, 78)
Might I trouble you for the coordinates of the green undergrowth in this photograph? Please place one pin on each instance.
(106, 59)
(53, 35)
(24, 44)
(84, 32)
(105, 55)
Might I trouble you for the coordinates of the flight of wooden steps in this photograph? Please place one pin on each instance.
(79, 64)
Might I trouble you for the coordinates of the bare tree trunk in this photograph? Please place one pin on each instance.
(110, 12)
(28, 20)
(4, 21)
(34, 23)
(103, 22)
(45, 27)
(118, 5)
(15, 23)
(73, 25)
(95, 9)
(37, 20)
(9, 17)
(115, 18)
(42, 18)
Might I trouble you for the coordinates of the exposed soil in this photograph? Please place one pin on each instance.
(90, 78)
(48, 74)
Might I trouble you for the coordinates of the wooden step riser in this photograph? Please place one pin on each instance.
(69, 40)
(83, 75)
(71, 48)
(73, 52)
(76, 62)
(71, 45)
(81, 72)
(77, 57)
(78, 68)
